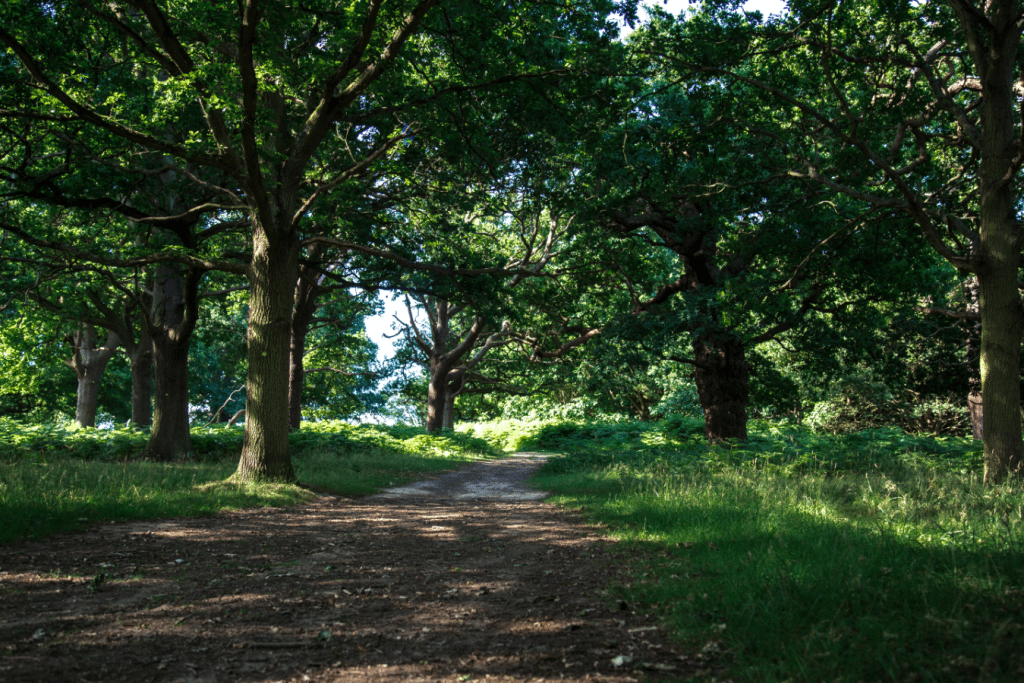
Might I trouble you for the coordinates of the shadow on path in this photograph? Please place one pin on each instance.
(461, 578)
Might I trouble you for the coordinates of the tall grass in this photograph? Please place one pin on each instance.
(54, 480)
(870, 557)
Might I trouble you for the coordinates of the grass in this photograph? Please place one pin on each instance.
(794, 557)
(54, 480)
(870, 557)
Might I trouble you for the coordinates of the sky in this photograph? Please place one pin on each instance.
(379, 325)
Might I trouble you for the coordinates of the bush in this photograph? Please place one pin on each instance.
(858, 403)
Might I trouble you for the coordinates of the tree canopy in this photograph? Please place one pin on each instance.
(717, 207)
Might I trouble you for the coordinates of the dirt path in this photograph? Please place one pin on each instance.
(465, 577)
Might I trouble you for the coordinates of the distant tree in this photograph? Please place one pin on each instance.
(89, 362)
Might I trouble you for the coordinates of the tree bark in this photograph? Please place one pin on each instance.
(173, 318)
(296, 374)
(306, 292)
(141, 360)
(441, 362)
(437, 394)
(272, 276)
(973, 359)
(170, 438)
(1001, 331)
(442, 359)
(994, 48)
(723, 385)
(89, 364)
(456, 383)
(449, 412)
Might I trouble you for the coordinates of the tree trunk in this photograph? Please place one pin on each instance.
(449, 412)
(175, 307)
(454, 388)
(89, 364)
(170, 438)
(302, 315)
(1002, 321)
(977, 411)
(437, 395)
(973, 358)
(272, 276)
(296, 376)
(723, 385)
(141, 359)
(1001, 329)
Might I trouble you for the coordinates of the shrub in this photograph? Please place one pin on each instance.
(858, 403)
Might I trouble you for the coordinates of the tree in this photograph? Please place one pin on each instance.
(708, 260)
(455, 342)
(86, 299)
(905, 108)
(277, 107)
(88, 363)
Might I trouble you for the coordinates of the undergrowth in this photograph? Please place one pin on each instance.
(54, 479)
(876, 556)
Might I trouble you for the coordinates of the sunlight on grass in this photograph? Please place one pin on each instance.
(52, 480)
(876, 556)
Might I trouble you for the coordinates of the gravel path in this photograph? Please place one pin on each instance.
(494, 480)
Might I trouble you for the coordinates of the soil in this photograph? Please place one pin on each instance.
(469, 576)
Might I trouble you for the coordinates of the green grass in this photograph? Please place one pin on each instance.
(872, 557)
(54, 480)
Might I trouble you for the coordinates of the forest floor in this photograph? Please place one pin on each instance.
(468, 576)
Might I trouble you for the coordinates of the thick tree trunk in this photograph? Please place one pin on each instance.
(1001, 329)
(723, 385)
(141, 359)
(272, 276)
(1002, 321)
(437, 395)
(449, 412)
(89, 364)
(170, 438)
(175, 306)
(455, 387)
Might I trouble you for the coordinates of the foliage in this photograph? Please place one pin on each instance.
(898, 112)
(858, 402)
(216, 358)
(37, 383)
(798, 556)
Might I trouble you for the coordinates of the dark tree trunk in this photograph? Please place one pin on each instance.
(141, 359)
(992, 40)
(175, 307)
(723, 385)
(89, 363)
(296, 376)
(170, 438)
(272, 277)
(306, 292)
(437, 394)
(443, 359)
(973, 353)
(449, 412)
(440, 364)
